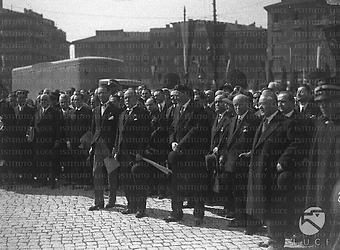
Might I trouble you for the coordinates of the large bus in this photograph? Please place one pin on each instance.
(80, 73)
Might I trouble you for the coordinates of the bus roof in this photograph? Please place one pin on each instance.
(61, 62)
(130, 82)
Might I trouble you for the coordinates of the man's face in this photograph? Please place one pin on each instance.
(103, 95)
(174, 97)
(220, 106)
(94, 102)
(145, 94)
(302, 95)
(240, 105)
(158, 96)
(63, 102)
(130, 99)
(151, 105)
(267, 106)
(45, 101)
(210, 96)
(21, 99)
(77, 101)
(182, 97)
(284, 104)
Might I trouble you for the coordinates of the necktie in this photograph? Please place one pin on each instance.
(219, 118)
(265, 124)
(126, 115)
(181, 110)
(238, 121)
(103, 107)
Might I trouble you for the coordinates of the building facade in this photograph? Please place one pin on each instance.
(28, 38)
(297, 44)
(184, 49)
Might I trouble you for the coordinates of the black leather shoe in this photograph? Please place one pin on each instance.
(251, 230)
(96, 207)
(189, 205)
(127, 211)
(110, 205)
(172, 219)
(141, 214)
(235, 223)
(263, 244)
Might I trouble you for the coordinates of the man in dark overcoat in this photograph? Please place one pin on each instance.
(189, 140)
(131, 144)
(241, 134)
(272, 155)
(323, 176)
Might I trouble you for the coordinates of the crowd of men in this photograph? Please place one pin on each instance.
(254, 153)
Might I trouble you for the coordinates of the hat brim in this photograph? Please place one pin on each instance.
(227, 101)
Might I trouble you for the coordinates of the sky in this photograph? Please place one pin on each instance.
(81, 18)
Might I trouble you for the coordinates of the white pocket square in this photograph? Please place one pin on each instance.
(111, 118)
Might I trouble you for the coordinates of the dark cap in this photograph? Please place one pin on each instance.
(329, 88)
(182, 88)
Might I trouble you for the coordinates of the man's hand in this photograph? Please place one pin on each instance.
(139, 157)
(56, 144)
(215, 150)
(174, 146)
(68, 145)
(279, 168)
(113, 152)
(247, 155)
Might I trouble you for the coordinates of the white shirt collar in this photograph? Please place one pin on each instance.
(185, 105)
(289, 114)
(240, 117)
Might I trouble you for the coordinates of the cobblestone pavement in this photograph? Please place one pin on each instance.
(42, 218)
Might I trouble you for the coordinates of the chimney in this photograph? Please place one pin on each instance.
(1, 5)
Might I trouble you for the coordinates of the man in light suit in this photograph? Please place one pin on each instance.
(104, 129)
(272, 156)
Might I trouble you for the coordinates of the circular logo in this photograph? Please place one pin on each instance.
(312, 220)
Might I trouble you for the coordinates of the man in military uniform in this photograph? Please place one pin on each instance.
(324, 171)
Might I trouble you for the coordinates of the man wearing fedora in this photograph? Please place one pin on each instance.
(189, 140)
(324, 159)
(272, 158)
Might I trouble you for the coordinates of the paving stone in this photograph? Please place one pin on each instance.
(41, 218)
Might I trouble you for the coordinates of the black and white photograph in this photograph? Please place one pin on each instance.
(170, 124)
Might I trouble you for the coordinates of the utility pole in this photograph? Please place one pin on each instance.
(214, 61)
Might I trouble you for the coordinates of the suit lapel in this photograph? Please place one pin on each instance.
(185, 116)
(274, 123)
